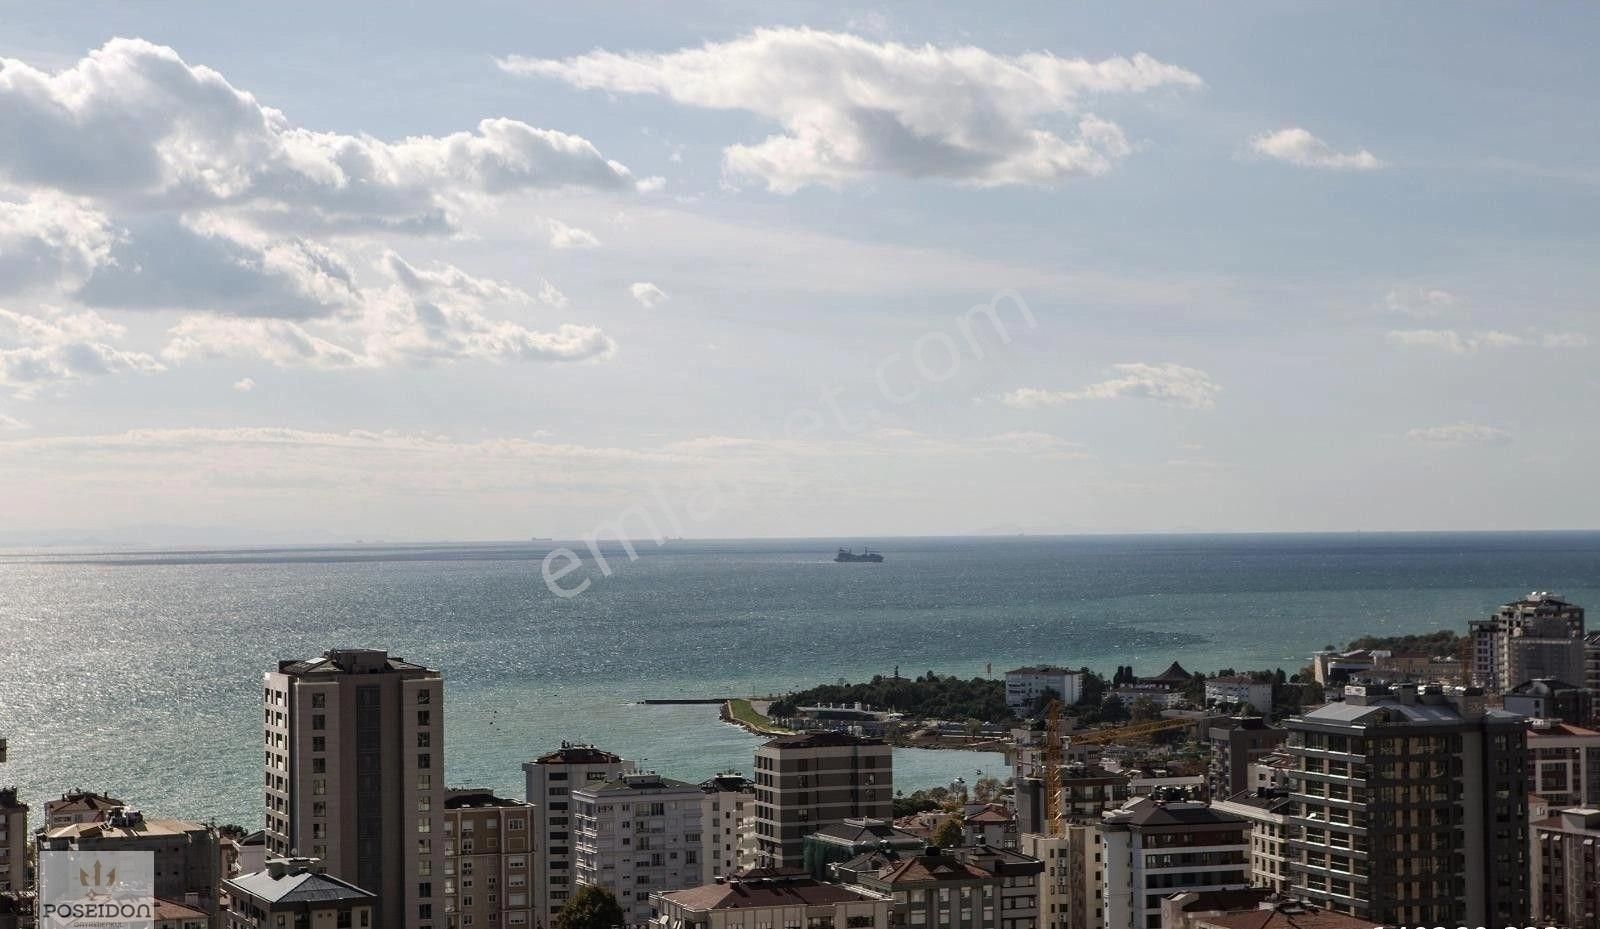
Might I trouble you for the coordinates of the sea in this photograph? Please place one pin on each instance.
(137, 672)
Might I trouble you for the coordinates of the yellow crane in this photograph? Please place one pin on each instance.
(1134, 733)
(1051, 759)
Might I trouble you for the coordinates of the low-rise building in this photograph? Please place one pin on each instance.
(488, 856)
(79, 806)
(170, 914)
(964, 888)
(990, 824)
(1267, 812)
(1217, 911)
(187, 854)
(639, 835)
(1236, 742)
(840, 842)
(1565, 865)
(1240, 691)
(1027, 687)
(769, 902)
(1155, 848)
(296, 892)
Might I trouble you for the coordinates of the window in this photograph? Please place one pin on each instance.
(424, 718)
(424, 760)
(318, 701)
(319, 743)
(319, 721)
(424, 697)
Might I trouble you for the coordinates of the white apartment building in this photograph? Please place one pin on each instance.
(1539, 636)
(1157, 848)
(1563, 763)
(1268, 814)
(549, 782)
(638, 835)
(1026, 686)
(354, 772)
(729, 837)
(1240, 690)
(1070, 893)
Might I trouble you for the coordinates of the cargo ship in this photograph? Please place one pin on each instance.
(848, 556)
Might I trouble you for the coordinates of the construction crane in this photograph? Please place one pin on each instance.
(1134, 733)
(1052, 769)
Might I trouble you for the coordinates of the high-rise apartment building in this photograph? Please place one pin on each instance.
(13, 841)
(805, 782)
(488, 860)
(1155, 848)
(549, 781)
(1235, 743)
(354, 768)
(638, 835)
(729, 839)
(1410, 807)
(1538, 636)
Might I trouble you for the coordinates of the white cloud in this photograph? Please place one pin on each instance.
(851, 107)
(1298, 147)
(11, 424)
(450, 280)
(1171, 384)
(550, 296)
(648, 294)
(280, 342)
(1459, 434)
(47, 350)
(134, 124)
(1420, 302)
(46, 239)
(244, 385)
(1470, 343)
(565, 236)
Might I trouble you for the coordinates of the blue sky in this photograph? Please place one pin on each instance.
(491, 270)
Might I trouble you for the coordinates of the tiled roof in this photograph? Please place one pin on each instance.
(304, 887)
(578, 754)
(932, 868)
(745, 894)
(1295, 917)
(168, 909)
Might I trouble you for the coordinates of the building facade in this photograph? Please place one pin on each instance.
(1070, 886)
(730, 826)
(1026, 687)
(1267, 812)
(1410, 807)
(965, 888)
(1566, 869)
(354, 771)
(1547, 698)
(1240, 691)
(1564, 763)
(778, 902)
(1538, 636)
(1235, 744)
(13, 842)
(1155, 848)
(488, 861)
(805, 782)
(548, 782)
(639, 835)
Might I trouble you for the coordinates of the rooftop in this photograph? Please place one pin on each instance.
(296, 880)
(1042, 669)
(141, 828)
(636, 783)
(762, 892)
(932, 868)
(348, 661)
(477, 799)
(169, 909)
(578, 753)
(1285, 916)
(820, 739)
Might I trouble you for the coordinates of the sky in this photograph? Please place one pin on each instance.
(718, 269)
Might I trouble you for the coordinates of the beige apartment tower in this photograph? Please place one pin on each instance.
(354, 770)
(806, 782)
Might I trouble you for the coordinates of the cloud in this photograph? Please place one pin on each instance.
(1298, 147)
(648, 294)
(48, 350)
(45, 239)
(1459, 434)
(851, 107)
(565, 236)
(11, 424)
(133, 124)
(1470, 343)
(1170, 384)
(550, 296)
(244, 385)
(1420, 303)
(428, 315)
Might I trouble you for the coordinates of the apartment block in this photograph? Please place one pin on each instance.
(805, 782)
(1267, 812)
(299, 893)
(13, 842)
(186, 853)
(1070, 886)
(1539, 636)
(730, 826)
(1026, 687)
(1239, 691)
(1236, 742)
(1566, 869)
(638, 835)
(1156, 847)
(1411, 807)
(1564, 763)
(1547, 698)
(79, 806)
(354, 776)
(965, 888)
(549, 781)
(488, 860)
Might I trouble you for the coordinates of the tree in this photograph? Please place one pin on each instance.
(1112, 710)
(591, 907)
(949, 833)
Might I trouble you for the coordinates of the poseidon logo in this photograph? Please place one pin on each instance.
(106, 890)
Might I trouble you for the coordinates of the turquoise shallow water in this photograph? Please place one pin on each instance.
(138, 673)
